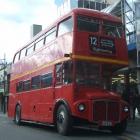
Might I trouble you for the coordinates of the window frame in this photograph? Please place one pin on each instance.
(38, 41)
(38, 85)
(47, 75)
(17, 87)
(28, 48)
(22, 55)
(60, 74)
(16, 57)
(68, 18)
(27, 81)
(68, 72)
(106, 29)
(92, 20)
(49, 33)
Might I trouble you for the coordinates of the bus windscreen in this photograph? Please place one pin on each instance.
(93, 75)
(112, 29)
(88, 24)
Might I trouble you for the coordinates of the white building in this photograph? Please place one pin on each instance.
(63, 6)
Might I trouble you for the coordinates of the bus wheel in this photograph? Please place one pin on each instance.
(17, 118)
(63, 120)
(119, 128)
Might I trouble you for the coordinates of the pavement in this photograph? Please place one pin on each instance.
(134, 124)
(3, 115)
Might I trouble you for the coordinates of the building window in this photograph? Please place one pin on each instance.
(86, 4)
(98, 6)
(104, 5)
(46, 80)
(81, 3)
(92, 5)
(65, 26)
(35, 82)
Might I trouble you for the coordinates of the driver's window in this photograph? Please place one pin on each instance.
(58, 69)
(67, 72)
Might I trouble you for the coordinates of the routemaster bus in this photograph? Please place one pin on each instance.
(62, 77)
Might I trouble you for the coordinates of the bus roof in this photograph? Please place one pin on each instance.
(81, 11)
(98, 14)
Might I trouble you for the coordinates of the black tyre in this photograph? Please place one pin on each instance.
(17, 118)
(119, 128)
(63, 121)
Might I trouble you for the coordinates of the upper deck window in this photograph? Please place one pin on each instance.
(22, 53)
(50, 35)
(30, 50)
(88, 24)
(65, 26)
(39, 43)
(112, 29)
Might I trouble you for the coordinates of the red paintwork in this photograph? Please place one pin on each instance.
(45, 99)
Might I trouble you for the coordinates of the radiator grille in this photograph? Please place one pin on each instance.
(106, 110)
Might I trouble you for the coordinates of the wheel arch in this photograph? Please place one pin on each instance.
(57, 104)
(17, 104)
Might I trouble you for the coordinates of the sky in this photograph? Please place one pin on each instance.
(16, 18)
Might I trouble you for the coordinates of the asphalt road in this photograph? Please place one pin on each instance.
(10, 131)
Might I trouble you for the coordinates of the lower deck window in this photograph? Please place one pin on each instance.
(26, 85)
(35, 82)
(19, 86)
(46, 80)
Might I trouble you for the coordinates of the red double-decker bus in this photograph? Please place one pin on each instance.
(63, 75)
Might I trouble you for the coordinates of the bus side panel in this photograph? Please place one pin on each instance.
(44, 111)
(24, 99)
(65, 93)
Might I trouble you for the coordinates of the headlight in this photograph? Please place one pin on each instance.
(126, 109)
(81, 107)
